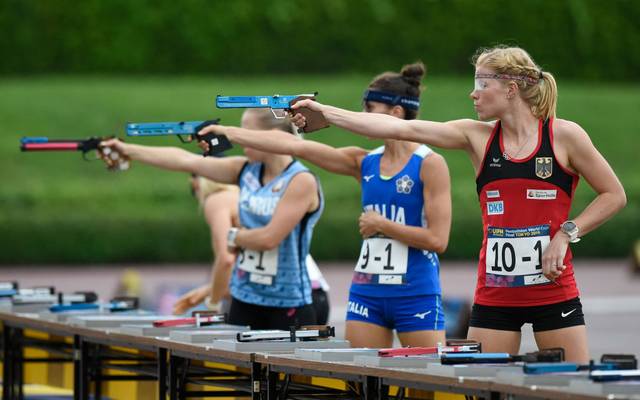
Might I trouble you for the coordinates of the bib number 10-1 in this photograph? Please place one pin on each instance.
(504, 257)
(516, 253)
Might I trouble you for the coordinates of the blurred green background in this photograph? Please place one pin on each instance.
(78, 69)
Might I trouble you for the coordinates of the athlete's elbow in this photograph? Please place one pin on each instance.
(440, 245)
(227, 261)
(621, 200)
(440, 248)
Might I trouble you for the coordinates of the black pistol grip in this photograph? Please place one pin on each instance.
(217, 143)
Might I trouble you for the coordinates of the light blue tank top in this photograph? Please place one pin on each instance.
(275, 278)
(386, 267)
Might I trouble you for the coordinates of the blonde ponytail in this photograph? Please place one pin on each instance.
(545, 108)
(208, 187)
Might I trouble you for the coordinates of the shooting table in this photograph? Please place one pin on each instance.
(171, 365)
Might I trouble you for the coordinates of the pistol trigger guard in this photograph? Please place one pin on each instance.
(183, 140)
(277, 116)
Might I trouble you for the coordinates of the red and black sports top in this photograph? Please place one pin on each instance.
(523, 203)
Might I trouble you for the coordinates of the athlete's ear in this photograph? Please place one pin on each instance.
(397, 111)
(512, 89)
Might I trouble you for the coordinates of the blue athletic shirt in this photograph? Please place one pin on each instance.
(386, 267)
(278, 277)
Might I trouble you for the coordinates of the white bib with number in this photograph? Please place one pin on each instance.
(514, 256)
(262, 266)
(387, 258)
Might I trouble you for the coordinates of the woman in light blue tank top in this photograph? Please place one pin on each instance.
(280, 203)
(405, 221)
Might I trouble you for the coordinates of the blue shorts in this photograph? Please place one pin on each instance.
(404, 314)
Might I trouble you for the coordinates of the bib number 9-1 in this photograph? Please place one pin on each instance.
(385, 257)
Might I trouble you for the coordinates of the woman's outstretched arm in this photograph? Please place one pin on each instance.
(343, 161)
(449, 135)
(225, 170)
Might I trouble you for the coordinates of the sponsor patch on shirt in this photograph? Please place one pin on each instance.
(537, 194)
(404, 184)
(495, 208)
(251, 181)
(493, 194)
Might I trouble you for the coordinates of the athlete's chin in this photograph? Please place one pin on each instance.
(484, 116)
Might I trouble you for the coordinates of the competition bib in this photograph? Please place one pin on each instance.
(384, 257)
(514, 256)
(262, 266)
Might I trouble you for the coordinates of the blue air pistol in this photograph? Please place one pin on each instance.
(187, 131)
(282, 103)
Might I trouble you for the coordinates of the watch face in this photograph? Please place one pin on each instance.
(568, 226)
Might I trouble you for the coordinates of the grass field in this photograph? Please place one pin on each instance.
(57, 208)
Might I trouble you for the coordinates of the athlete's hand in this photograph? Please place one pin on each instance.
(370, 223)
(297, 118)
(117, 145)
(191, 299)
(213, 128)
(553, 256)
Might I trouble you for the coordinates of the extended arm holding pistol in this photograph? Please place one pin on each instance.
(114, 160)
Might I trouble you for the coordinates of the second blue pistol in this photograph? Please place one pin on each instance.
(187, 131)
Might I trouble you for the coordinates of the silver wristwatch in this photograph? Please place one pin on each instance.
(231, 237)
(570, 229)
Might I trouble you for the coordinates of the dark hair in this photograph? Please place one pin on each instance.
(405, 83)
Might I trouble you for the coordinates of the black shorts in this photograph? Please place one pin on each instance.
(321, 305)
(263, 317)
(543, 318)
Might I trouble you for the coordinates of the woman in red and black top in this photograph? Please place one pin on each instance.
(527, 164)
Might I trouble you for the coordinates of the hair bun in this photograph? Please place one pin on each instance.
(413, 73)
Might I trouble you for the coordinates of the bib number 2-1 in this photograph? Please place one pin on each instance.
(262, 266)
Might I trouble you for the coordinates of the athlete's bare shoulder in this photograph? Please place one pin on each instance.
(566, 133)
(472, 125)
(432, 160)
(476, 131)
(477, 134)
(566, 127)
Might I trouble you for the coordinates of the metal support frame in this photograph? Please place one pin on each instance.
(14, 342)
(12, 355)
(162, 373)
(76, 367)
(386, 382)
(370, 388)
(83, 366)
(175, 385)
(256, 381)
(94, 358)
